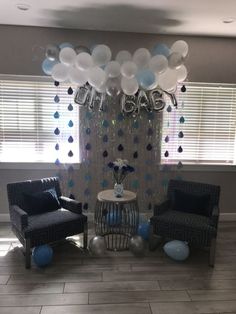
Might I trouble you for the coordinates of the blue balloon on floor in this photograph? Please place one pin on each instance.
(177, 250)
(42, 255)
(143, 230)
(113, 218)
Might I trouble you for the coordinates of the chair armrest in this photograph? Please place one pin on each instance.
(70, 204)
(215, 216)
(19, 217)
(161, 208)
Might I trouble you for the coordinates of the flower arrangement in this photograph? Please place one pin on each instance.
(121, 168)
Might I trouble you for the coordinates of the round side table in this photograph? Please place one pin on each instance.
(116, 219)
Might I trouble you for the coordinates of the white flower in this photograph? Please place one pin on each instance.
(121, 162)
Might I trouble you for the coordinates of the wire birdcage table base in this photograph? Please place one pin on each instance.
(116, 219)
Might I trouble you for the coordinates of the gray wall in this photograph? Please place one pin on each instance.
(209, 60)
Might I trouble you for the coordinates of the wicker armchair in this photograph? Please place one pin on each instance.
(197, 230)
(36, 229)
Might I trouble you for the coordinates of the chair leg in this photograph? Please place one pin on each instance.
(27, 253)
(212, 252)
(85, 237)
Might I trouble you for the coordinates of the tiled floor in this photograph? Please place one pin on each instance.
(78, 283)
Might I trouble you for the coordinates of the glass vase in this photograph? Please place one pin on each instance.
(118, 190)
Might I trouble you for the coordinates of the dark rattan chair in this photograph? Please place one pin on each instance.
(50, 226)
(197, 230)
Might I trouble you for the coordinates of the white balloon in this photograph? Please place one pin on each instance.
(101, 89)
(129, 85)
(181, 47)
(123, 56)
(175, 60)
(83, 61)
(78, 77)
(112, 69)
(96, 77)
(181, 73)
(67, 56)
(142, 57)
(129, 69)
(60, 72)
(168, 80)
(158, 64)
(101, 55)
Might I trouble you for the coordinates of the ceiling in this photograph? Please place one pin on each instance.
(185, 17)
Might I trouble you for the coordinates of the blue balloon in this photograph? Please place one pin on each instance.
(66, 45)
(42, 255)
(146, 78)
(143, 230)
(47, 66)
(161, 49)
(178, 250)
(113, 218)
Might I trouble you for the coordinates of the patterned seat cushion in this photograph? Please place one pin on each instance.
(54, 225)
(188, 227)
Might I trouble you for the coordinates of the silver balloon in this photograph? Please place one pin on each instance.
(97, 246)
(157, 100)
(52, 52)
(128, 103)
(81, 95)
(143, 101)
(113, 87)
(79, 49)
(172, 98)
(137, 245)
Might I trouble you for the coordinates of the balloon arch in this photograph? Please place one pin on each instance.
(142, 80)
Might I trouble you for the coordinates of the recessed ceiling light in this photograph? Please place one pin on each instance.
(228, 20)
(23, 6)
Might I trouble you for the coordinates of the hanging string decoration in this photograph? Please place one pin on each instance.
(142, 81)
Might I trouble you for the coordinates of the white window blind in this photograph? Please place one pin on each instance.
(27, 123)
(209, 129)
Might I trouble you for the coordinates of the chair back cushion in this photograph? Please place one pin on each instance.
(41, 202)
(17, 191)
(193, 197)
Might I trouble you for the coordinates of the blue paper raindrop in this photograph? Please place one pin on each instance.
(169, 109)
(182, 120)
(105, 123)
(135, 184)
(136, 125)
(105, 154)
(70, 124)
(181, 134)
(150, 132)
(70, 107)
(166, 154)
(56, 83)
(180, 149)
(149, 147)
(105, 138)
(70, 169)
(183, 89)
(70, 183)
(56, 115)
(120, 147)
(88, 131)
(149, 192)
(120, 117)
(70, 139)
(57, 162)
(179, 165)
(56, 131)
(57, 99)
(104, 183)
(87, 192)
(89, 115)
(57, 146)
(88, 146)
(135, 155)
(70, 91)
(167, 139)
(70, 154)
(87, 177)
(148, 177)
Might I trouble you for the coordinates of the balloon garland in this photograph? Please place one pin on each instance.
(143, 80)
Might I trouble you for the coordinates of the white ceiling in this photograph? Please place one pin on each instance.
(186, 17)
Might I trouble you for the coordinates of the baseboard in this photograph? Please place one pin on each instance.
(228, 217)
(223, 217)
